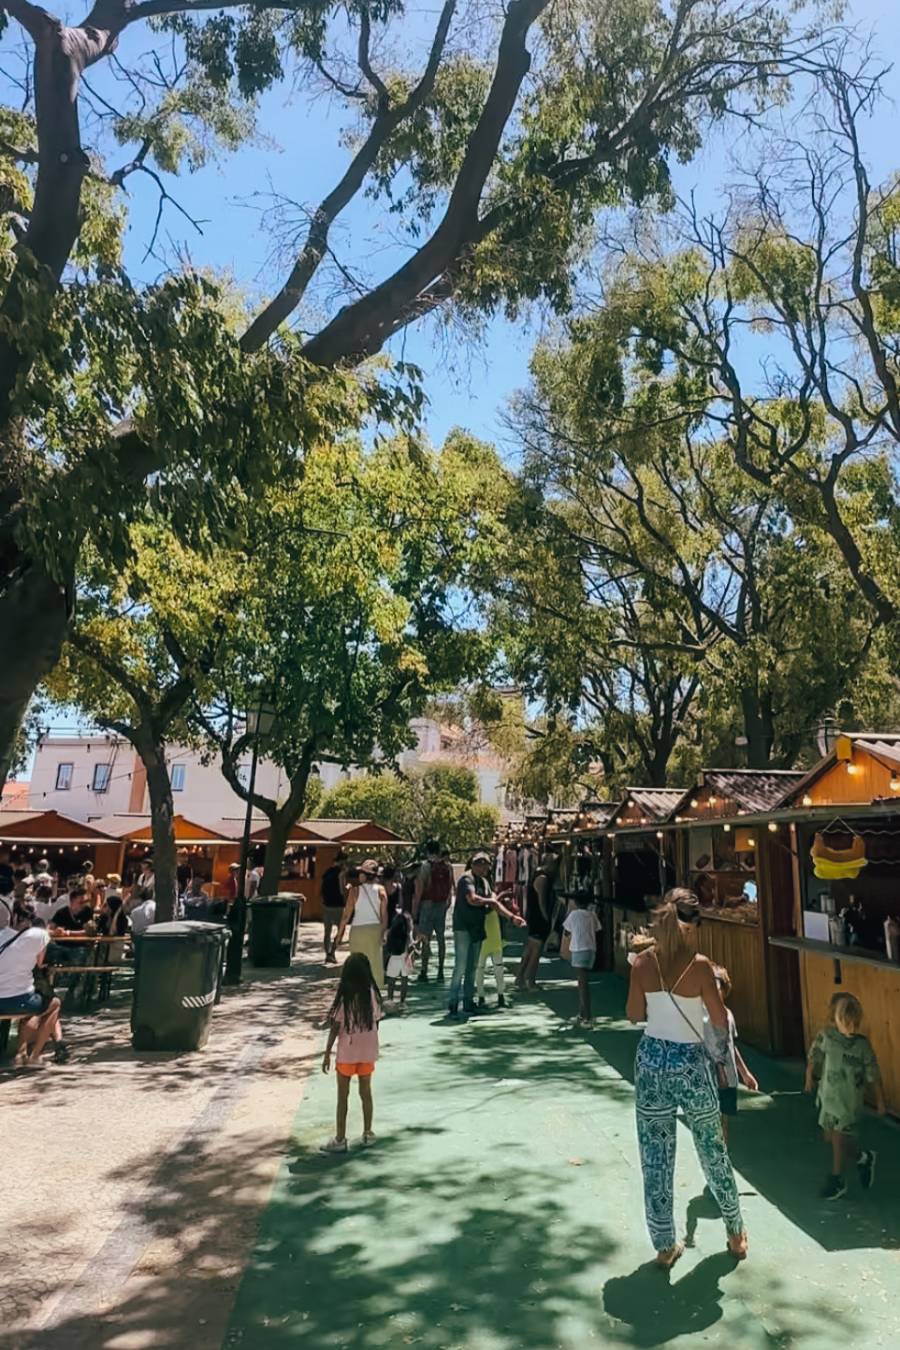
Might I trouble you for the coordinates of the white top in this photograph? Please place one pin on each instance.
(672, 1017)
(17, 964)
(583, 925)
(142, 916)
(666, 1023)
(367, 910)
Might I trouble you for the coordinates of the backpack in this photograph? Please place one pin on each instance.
(440, 883)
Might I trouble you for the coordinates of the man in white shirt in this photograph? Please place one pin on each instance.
(143, 914)
(23, 947)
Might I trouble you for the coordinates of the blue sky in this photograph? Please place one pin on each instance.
(467, 385)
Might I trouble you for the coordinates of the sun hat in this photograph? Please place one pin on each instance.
(370, 867)
(481, 857)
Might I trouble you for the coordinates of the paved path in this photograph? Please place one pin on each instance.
(501, 1208)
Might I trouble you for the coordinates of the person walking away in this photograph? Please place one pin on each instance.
(23, 949)
(331, 894)
(842, 1062)
(398, 948)
(473, 899)
(670, 986)
(733, 1070)
(432, 896)
(538, 916)
(366, 914)
(492, 950)
(353, 1024)
(580, 930)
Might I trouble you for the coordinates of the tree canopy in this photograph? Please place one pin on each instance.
(493, 153)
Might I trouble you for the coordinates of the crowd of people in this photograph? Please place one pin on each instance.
(49, 922)
(688, 1061)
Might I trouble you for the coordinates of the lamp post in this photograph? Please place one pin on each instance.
(259, 723)
(826, 735)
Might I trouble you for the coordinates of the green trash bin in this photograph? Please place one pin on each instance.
(177, 971)
(273, 927)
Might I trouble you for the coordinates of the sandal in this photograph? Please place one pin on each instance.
(666, 1260)
(737, 1246)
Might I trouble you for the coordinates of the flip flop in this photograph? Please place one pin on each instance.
(666, 1260)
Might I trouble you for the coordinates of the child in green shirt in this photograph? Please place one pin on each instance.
(844, 1064)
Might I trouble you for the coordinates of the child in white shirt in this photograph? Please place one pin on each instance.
(580, 944)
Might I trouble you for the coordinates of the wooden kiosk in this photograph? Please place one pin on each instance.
(851, 801)
(736, 856)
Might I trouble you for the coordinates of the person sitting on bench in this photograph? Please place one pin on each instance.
(23, 948)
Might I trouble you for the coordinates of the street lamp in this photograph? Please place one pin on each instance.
(826, 735)
(260, 720)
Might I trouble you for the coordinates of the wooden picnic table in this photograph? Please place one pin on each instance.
(77, 969)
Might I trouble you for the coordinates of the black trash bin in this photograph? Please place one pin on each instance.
(176, 979)
(273, 927)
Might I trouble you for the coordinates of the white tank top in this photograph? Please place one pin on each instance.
(367, 909)
(671, 1017)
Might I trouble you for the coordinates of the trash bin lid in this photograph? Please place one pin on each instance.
(283, 898)
(185, 928)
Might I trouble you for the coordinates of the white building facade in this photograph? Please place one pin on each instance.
(90, 776)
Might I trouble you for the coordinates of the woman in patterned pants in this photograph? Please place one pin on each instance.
(669, 988)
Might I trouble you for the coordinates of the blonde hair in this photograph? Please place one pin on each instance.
(668, 929)
(113, 879)
(846, 1009)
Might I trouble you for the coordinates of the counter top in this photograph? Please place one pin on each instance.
(859, 955)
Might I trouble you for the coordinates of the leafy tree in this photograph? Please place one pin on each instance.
(348, 619)
(440, 803)
(494, 155)
(124, 666)
(679, 559)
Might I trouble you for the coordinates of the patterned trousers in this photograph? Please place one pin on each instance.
(669, 1075)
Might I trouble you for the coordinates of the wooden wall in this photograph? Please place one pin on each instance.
(868, 781)
(878, 990)
(739, 948)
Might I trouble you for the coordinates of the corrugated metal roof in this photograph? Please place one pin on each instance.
(656, 803)
(752, 789)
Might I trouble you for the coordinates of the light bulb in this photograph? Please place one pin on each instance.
(727, 829)
(773, 826)
(807, 799)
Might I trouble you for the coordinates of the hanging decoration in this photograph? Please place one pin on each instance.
(838, 864)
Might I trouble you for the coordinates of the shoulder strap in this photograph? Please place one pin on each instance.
(6, 946)
(683, 973)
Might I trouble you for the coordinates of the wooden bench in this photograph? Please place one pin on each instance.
(78, 971)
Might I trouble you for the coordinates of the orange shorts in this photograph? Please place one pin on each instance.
(364, 1069)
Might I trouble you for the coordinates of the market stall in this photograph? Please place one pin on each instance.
(845, 826)
(642, 865)
(28, 836)
(198, 848)
(736, 857)
(312, 847)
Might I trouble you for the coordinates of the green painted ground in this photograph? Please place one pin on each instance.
(501, 1207)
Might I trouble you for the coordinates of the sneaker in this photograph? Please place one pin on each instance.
(866, 1168)
(834, 1188)
(368, 1137)
(452, 1010)
(334, 1145)
(501, 1001)
(482, 1003)
(471, 1008)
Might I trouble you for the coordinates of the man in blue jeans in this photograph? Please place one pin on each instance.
(474, 898)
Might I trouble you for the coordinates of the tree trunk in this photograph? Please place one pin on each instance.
(162, 821)
(758, 729)
(34, 615)
(280, 824)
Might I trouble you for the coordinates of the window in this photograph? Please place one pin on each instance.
(64, 777)
(102, 774)
(178, 778)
